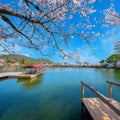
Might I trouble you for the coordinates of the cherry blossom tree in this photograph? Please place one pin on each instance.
(44, 24)
(5, 43)
(112, 18)
(41, 24)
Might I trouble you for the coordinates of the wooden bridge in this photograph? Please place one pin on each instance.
(101, 108)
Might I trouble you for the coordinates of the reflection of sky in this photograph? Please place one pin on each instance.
(101, 47)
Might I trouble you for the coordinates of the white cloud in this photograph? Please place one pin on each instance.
(87, 55)
(102, 48)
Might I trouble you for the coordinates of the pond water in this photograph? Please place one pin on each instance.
(56, 95)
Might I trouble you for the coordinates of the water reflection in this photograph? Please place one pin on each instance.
(56, 95)
(117, 75)
(3, 79)
(30, 83)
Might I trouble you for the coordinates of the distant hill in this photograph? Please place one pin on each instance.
(24, 59)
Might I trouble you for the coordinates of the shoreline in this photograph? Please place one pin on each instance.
(54, 66)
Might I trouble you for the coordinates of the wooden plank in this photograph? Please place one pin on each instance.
(115, 104)
(99, 110)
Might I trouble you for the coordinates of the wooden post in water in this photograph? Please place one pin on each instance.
(83, 97)
(110, 87)
(82, 90)
(110, 90)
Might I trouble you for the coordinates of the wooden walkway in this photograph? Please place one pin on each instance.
(19, 75)
(101, 108)
(9, 74)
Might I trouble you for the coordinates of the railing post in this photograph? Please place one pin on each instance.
(110, 90)
(110, 87)
(82, 90)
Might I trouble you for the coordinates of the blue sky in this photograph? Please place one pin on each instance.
(102, 47)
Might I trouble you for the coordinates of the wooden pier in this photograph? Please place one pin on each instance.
(9, 74)
(19, 75)
(101, 108)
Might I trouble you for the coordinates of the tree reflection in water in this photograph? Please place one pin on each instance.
(30, 83)
(117, 75)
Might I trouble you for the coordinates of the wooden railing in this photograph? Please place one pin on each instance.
(106, 100)
(97, 93)
(110, 87)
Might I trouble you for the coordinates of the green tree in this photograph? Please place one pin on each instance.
(102, 61)
(86, 63)
(113, 59)
(23, 61)
(57, 64)
(10, 61)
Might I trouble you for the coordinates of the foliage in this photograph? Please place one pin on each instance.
(102, 61)
(113, 59)
(10, 61)
(57, 64)
(86, 63)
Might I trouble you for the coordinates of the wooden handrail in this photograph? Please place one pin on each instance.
(106, 100)
(113, 83)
